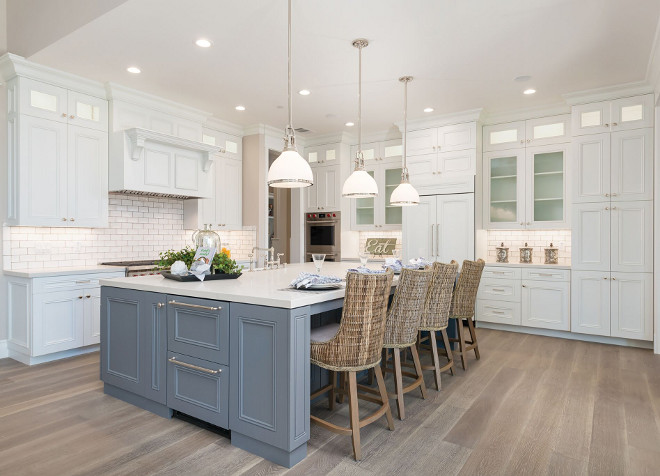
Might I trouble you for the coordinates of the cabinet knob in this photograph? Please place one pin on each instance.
(613, 278)
(524, 285)
(614, 124)
(159, 305)
(614, 194)
(529, 140)
(606, 125)
(607, 208)
(522, 141)
(64, 114)
(605, 277)
(433, 173)
(72, 219)
(71, 116)
(79, 297)
(529, 222)
(88, 296)
(522, 223)
(607, 194)
(63, 219)
(613, 208)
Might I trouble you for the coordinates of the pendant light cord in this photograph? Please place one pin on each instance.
(289, 135)
(404, 171)
(360, 157)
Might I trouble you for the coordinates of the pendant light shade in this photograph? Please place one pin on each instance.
(360, 184)
(405, 194)
(290, 170)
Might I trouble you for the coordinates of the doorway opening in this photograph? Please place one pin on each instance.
(279, 216)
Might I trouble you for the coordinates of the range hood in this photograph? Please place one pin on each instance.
(146, 162)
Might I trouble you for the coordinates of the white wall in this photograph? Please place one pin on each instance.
(656, 208)
(3, 176)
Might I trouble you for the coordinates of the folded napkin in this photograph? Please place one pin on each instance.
(420, 262)
(365, 270)
(305, 280)
(394, 264)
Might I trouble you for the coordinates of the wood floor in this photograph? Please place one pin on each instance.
(532, 405)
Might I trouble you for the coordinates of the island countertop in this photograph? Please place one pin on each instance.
(265, 288)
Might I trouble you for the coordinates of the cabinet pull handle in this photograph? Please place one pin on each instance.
(614, 194)
(615, 124)
(72, 219)
(606, 125)
(88, 296)
(433, 239)
(607, 208)
(159, 305)
(522, 141)
(524, 285)
(607, 194)
(63, 219)
(500, 290)
(544, 274)
(613, 278)
(196, 306)
(194, 367)
(86, 281)
(79, 297)
(497, 312)
(605, 277)
(64, 114)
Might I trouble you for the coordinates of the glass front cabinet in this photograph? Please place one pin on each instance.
(525, 188)
(377, 213)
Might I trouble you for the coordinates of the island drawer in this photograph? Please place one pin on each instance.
(501, 312)
(499, 290)
(199, 328)
(198, 388)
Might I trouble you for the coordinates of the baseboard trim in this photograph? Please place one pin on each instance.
(4, 351)
(567, 335)
(28, 360)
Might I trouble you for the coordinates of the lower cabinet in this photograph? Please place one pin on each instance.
(613, 304)
(198, 388)
(134, 342)
(531, 297)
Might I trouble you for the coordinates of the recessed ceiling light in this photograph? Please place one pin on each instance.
(529, 91)
(349, 124)
(428, 109)
(133, 69)
(522, 79)
(240, 108)
(304, 92)
(203, 43)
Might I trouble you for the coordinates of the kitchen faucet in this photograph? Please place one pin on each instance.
(269, 261)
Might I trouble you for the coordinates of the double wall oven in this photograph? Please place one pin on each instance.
(323, 235)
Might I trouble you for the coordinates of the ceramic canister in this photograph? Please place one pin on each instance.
(502, 254)
(551, 255)
(526, 254)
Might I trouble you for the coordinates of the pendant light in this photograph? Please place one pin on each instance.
(360, 184)
(290, 170)
(405, 194)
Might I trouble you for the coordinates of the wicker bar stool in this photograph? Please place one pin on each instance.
(355, 346)
(462, 307)
(436, 317)
(403, 320)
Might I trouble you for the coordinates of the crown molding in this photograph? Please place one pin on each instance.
(224, 126)
(608, 92)
(12, 65)
(471, 115)
(263, 129)
(526, 113)
(117, 92)
(332, 138)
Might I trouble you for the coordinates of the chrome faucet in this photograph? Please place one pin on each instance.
(269, 260)
(277, 262)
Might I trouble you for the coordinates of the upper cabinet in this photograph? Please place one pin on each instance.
(610, 116)
(533, 132)
(327, 154)
(442, 139)
(58, 156)
(379, 151)
(231, 146)
(325, 193)
(370, 213)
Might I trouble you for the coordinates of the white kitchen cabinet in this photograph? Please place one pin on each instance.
(87, 111)
(422, 142)
(442, 139)
(52, 316)
(325, 193)
(224, 211)
(43, 100)
(548, 130)
(631, 236)
(632, 305)
(440, 228)
(591, 236)
(499, 312)
(231, 146)
(326, 154)
(616, 166)
(374, 152)
(443, 164)
(504, 136)
(545, 186)
(546, 304)
(590, 308)
(504, 189)
(608, 116)
(377, 213)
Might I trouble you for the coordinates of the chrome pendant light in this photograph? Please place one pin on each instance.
(360, 184)
(290, 170)
(405, 194)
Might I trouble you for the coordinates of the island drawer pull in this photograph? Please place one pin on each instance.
(498, 290)
(196, 306)
(194, 367)
(86, 281)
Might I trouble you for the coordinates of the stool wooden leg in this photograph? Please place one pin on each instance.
(473, 337)
(461, 342)
(370, 377)
(355, 416)
(398, 383)
(418, 369)
(436, 360)
(384, 397)
(450, 357)
(342, 386)
(331, 392)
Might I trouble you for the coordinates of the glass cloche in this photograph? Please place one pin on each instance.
(207, 238)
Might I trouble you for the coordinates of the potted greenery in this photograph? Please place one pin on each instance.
(222, 262)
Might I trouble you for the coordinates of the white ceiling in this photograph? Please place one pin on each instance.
(463, 54)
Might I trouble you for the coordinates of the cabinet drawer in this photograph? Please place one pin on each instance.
(199, 328)
(499, 290)
(501, 312)
(198, 388)
(501, 272)
(546, 274)
(73, 281)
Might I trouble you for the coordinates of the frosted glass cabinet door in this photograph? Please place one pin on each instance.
(504, 136)
(393, 213)
(88, 111)
(365, 209)
(632, 113)
(43, 100)
(591, 118)
(548, 130)
(632, 165)
(591, 168)
(504, 195)
(546, 186)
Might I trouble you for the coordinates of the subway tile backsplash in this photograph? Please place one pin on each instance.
(138, 228)
(537, 239)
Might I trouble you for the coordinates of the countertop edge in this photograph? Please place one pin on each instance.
(46, 272)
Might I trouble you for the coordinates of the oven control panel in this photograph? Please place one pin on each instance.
(323, 216)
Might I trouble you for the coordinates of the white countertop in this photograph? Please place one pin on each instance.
(531, 265)
(45, 272)
(266, 288)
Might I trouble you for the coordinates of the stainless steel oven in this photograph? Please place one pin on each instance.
(323, 235)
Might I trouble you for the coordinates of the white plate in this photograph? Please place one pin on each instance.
(324, 286)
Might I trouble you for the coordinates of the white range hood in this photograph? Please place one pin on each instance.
(146, 162)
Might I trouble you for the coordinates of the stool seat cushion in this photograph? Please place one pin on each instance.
(324, 333)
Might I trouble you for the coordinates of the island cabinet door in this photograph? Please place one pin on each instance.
(198, 328)
(270, 381)
(198, 388)
(134, 342)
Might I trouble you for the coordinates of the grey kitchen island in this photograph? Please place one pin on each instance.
(234, 353)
